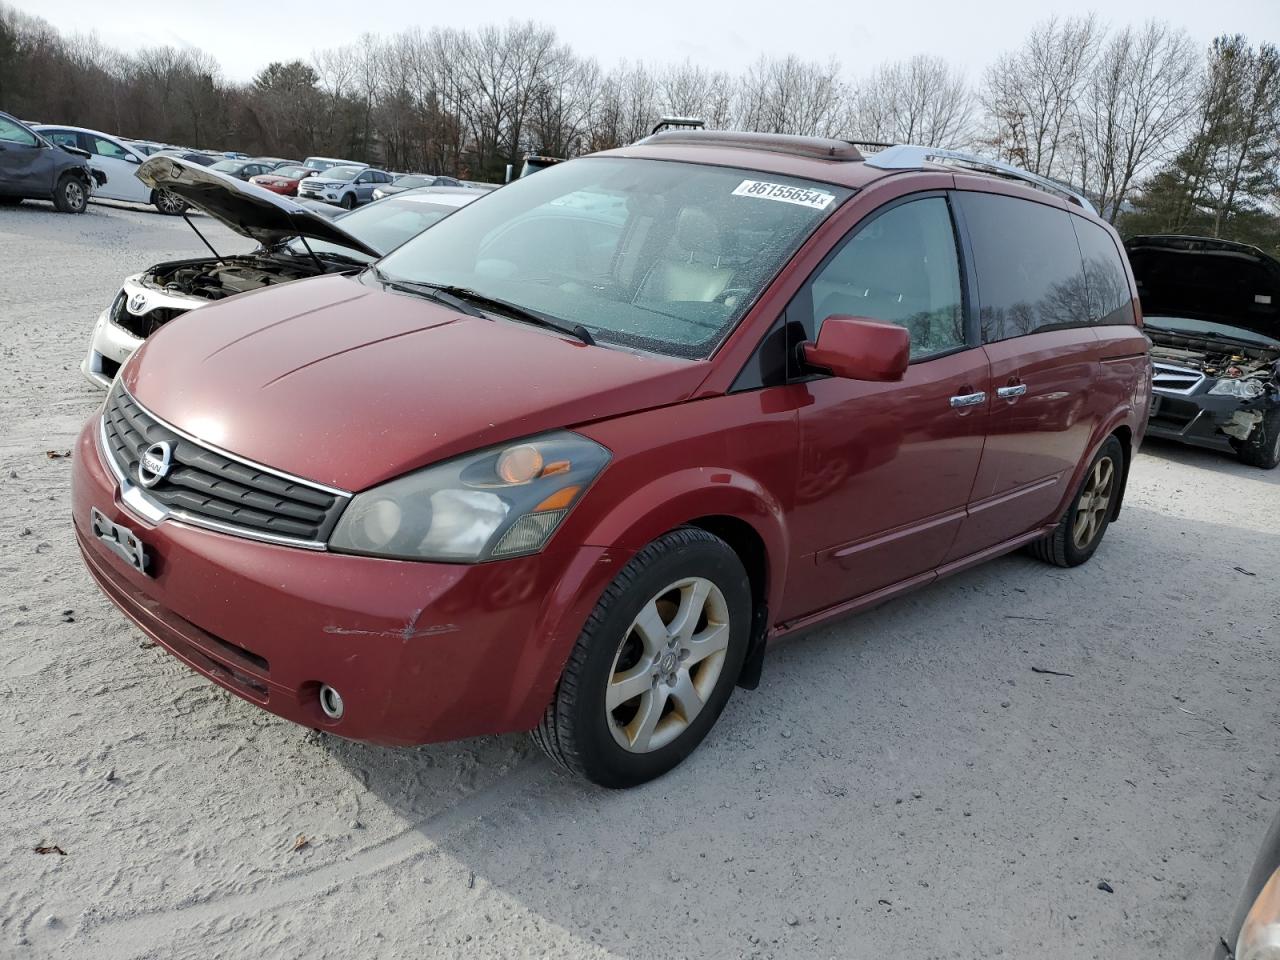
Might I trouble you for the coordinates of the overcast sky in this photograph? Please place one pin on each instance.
(244, 36)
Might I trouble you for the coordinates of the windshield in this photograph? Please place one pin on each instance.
(290, 171)
(383, 225)
(341, 173)
(1208, 328)
(227, 166)
(652, 254)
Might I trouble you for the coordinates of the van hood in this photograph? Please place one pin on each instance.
(339, 381)
(248, 209)
(1203, 278)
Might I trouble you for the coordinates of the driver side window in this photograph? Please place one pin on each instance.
(901, 267)
(12, 133)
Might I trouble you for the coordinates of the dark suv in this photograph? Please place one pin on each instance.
(566, 460)
(32, 168)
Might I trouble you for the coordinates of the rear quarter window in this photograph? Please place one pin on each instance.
(1110, 299)
(1029, 270)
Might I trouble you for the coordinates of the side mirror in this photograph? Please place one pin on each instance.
(857, 348)
(133, 158)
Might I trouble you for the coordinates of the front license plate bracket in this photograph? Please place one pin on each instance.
(120, 540)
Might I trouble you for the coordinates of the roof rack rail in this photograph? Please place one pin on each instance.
(815, 148)
(910, 157)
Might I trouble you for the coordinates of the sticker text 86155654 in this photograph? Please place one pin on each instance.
(803, 196)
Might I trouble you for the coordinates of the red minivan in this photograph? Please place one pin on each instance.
(568, 460)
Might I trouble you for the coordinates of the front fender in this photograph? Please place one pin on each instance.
(689, 494)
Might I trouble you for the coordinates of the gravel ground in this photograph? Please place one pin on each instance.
(903, 784)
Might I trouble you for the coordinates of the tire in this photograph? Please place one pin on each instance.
(348, 201)
(665, 579)
(168, 203)
(1076, 537)
(1262, 449)
(71, 195)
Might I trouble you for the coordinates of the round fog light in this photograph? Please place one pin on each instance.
(330, 702)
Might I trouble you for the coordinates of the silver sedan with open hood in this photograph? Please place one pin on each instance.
(293, 243)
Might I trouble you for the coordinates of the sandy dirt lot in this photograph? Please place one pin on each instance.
(903, 784)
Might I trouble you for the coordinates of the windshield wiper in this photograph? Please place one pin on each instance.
(517, 312)
(1209, 335)
(462, 299)
(430, 291)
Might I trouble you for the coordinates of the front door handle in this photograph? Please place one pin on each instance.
(1008, 393)
(968, 399)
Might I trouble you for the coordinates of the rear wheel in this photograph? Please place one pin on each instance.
(168, 203)
(1262, 449)
(655, 663)
(1081, 528)
(71, 195)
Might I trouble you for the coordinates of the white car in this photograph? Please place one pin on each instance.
(295, 243)
(119, 161)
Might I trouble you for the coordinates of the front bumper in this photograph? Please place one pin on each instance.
(420, 652)
(109, 347)
(325, 196)
(1199, 418)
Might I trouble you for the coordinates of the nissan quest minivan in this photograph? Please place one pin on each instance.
(568, 460)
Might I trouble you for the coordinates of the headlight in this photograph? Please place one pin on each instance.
(500, 502)
(1260, 933)
(1244, 389)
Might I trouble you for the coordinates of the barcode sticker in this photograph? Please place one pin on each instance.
(802, 196)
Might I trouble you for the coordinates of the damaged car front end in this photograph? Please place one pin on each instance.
(1212, 312)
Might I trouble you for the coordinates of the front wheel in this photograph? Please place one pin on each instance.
(349, 201)
(169, 203)
(1078, 533)
(655, 664)
(1262, 449)
(71, 195)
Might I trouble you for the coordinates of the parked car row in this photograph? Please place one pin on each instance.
(346, 183)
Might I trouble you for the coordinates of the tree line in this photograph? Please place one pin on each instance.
(1164, 136)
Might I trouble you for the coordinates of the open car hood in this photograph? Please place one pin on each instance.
(246, 208)
(1207, 279)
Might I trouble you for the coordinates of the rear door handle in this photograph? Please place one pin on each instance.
(968, 399)
(1009, 392)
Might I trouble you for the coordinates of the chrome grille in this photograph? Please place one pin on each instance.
(1173, 379)
(209, 488)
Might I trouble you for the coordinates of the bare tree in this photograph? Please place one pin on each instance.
(688, 90)
(795, 96)
(922, 100)
(1141, 91)
(1032, 95)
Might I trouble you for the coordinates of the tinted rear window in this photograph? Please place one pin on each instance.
(1110, 300)
(1030, 275)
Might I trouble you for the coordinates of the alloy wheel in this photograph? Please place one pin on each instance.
(667, 665)
(74, 194)
(169, 202)
(1094, 502)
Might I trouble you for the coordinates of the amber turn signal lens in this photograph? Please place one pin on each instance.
(519, 464)
(558, 500)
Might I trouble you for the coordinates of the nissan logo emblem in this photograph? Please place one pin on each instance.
(153, 465)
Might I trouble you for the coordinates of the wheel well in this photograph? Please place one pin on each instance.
(748, 545)
(1125, 436)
